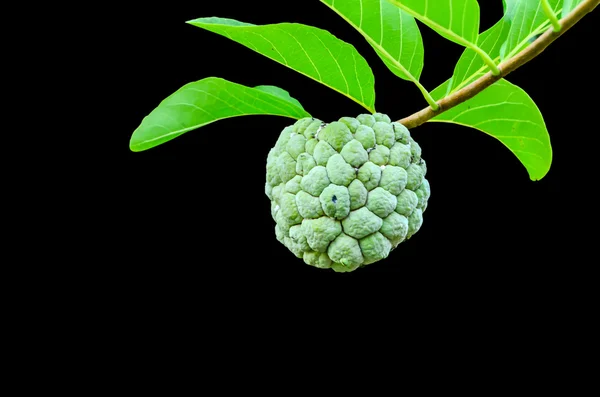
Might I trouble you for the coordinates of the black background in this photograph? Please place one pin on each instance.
(194, 211)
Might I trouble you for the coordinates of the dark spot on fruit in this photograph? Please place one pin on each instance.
(334, 199)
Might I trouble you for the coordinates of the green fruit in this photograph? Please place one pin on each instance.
(345, 194)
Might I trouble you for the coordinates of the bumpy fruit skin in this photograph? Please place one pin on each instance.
(345, 194)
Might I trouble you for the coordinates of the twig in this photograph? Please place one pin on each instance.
(505, 67)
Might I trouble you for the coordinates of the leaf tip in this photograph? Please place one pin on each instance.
(542, 172)
(539, 174)
(135, 145)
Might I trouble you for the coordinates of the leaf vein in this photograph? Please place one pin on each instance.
(191, 105)
(401, 40)
(527, 152)
(305, 53)
(336, 62)
(528, 138)
(275, 48)
(362, 96)
(507, 119)
(488, 106)
(450, 23)
(216, 97)
(255, 97)
(381, 23)
(361, 14)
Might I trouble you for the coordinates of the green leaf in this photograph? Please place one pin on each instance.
(527, 20)
(456, 20)
(507, 113)
(313, 52)
(569, 5)
(393, 34)
(279, 92)
(470, 65)
(205, 101)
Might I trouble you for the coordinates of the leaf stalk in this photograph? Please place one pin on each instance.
(432, 103)
(487, 59)
(550, 14)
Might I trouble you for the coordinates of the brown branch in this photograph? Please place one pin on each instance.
(505, 67)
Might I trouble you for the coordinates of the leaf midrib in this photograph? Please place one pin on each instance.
(278, 101)
(428, 21)
(514, 151)
(376, 45)
(198, 126)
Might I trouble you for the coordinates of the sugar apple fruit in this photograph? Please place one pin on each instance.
(344, 194)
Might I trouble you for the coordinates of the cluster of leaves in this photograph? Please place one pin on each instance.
(503, 110)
